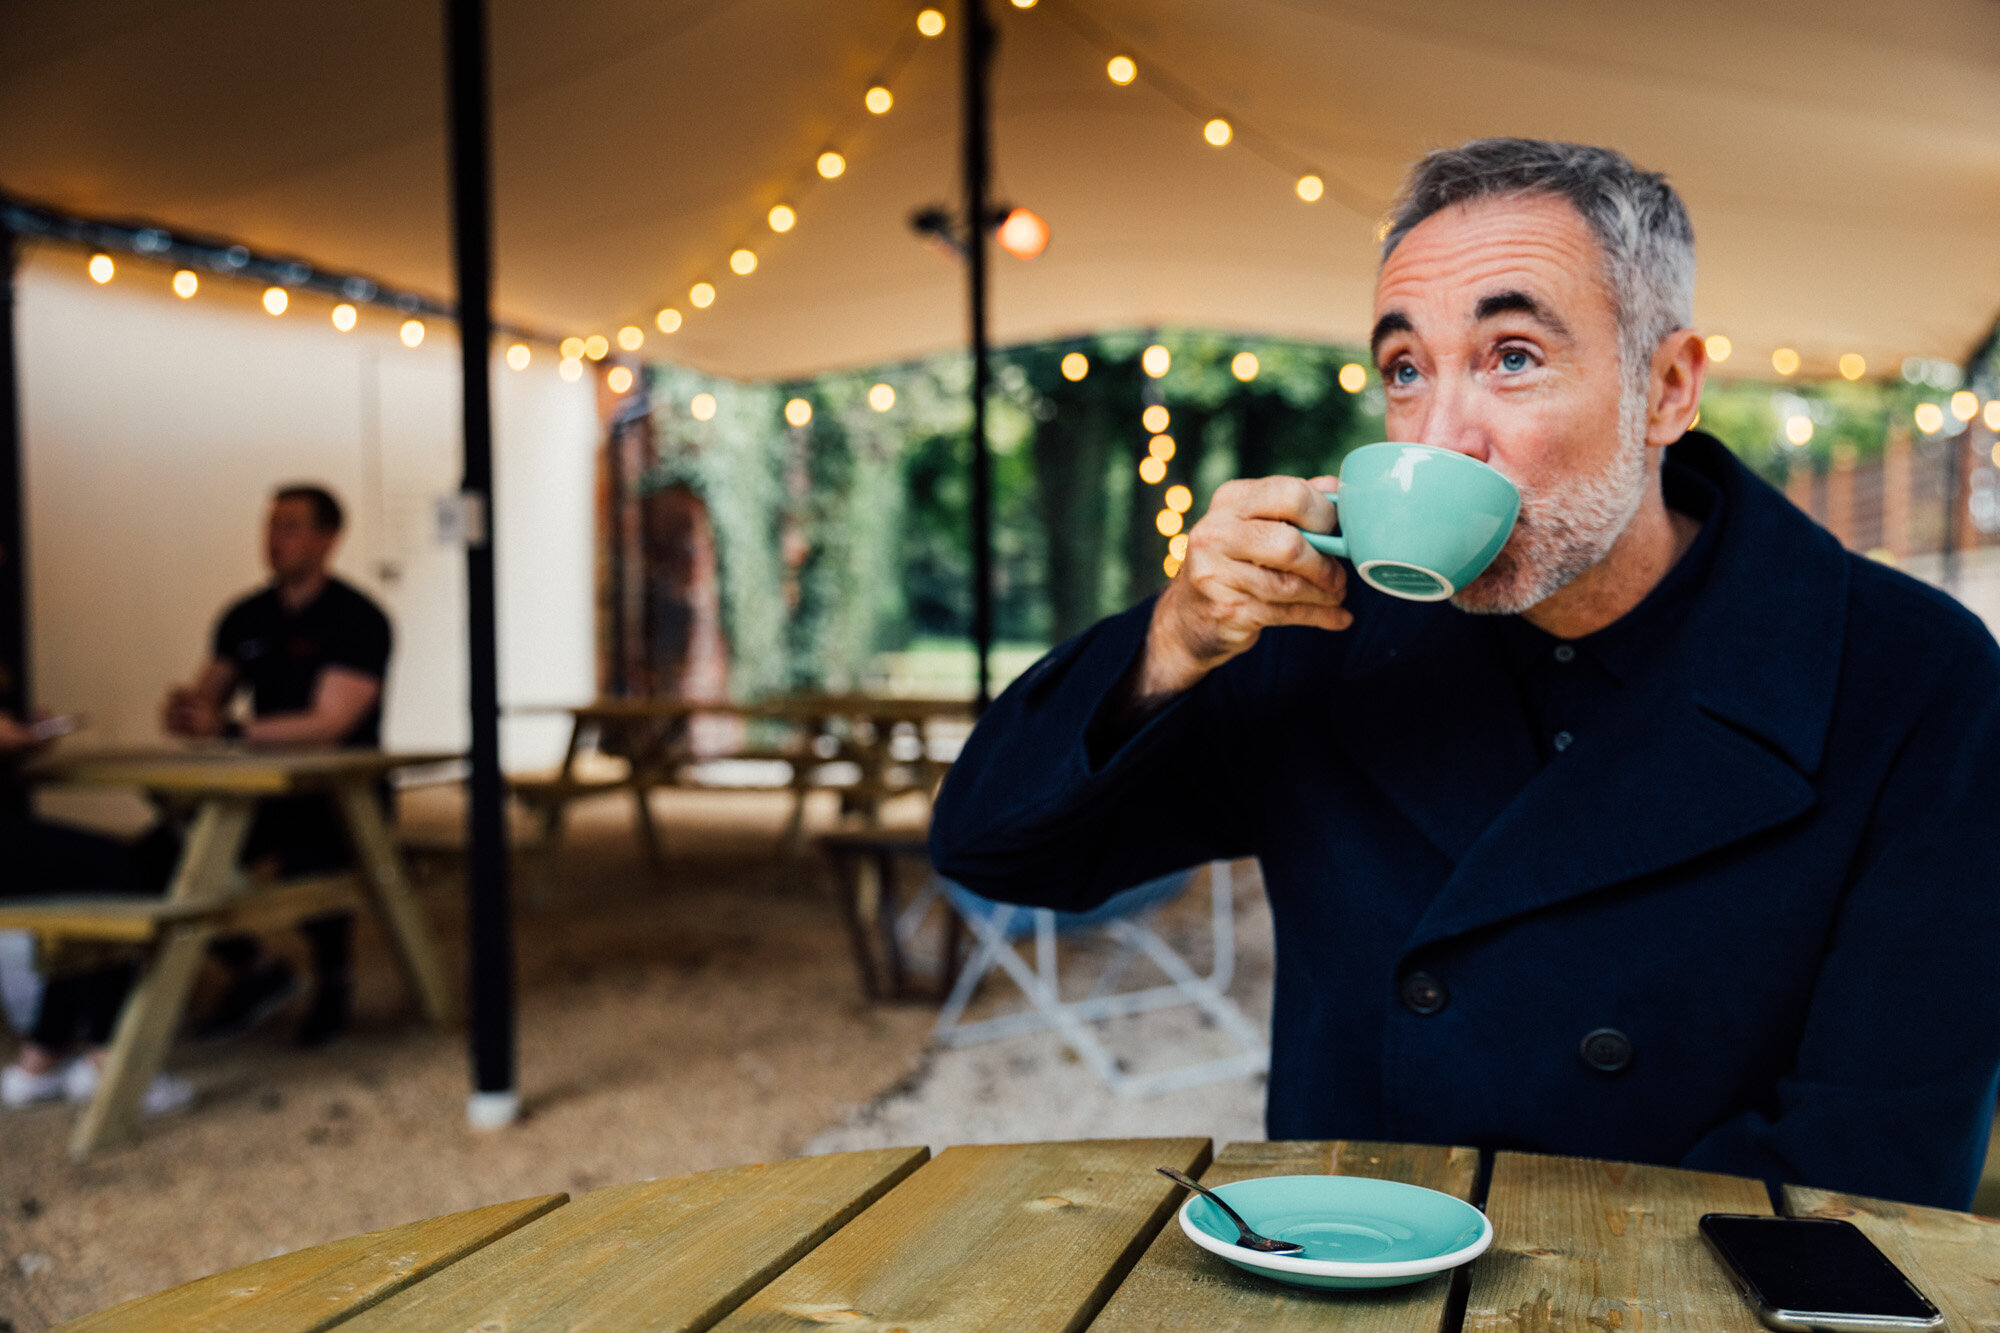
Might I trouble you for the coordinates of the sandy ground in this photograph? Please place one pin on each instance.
(668, 1023)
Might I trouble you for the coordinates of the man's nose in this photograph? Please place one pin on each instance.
(1455, 422)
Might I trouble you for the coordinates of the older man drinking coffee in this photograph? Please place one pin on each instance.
(1665, 838)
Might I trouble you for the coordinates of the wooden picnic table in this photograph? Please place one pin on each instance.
(1048, 1236)
(210, 894)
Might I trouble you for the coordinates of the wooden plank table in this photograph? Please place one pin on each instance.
(209, 893)
(1047, 1236)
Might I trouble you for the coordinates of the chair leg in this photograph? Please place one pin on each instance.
(650, 842)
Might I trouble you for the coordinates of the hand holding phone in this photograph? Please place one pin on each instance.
(1814, 1274)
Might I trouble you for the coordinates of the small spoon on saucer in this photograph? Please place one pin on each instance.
(1249, 1239)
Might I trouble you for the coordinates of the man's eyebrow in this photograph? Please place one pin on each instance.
(1502, 303)
(1393, 322)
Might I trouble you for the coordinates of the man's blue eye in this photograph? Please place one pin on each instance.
(1515, 360)
(1405, 373)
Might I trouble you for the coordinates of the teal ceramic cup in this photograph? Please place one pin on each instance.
(1419, 522)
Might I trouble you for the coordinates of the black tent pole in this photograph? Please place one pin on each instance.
(978, 49)
(490, 946)
(13, 528)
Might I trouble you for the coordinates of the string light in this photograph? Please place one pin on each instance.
(743, 262)
(1122, 70)
(1718, 347)
(518, 356)
(1853, 366)
(1023, 234)
(1965, 404)
(702, 407)
(701, 296)
(596, 347)
(1168, 522)
(798, 411)
(101, 269)
(930, 23)
(275, 300)
(1155, 360)
(344, 317)
(186, 284)
(619, 380)
(1784, 361)
(412, 332)
(878, 99)
(1991, 416)
(668, 320)
(572, 349)
(1217, 132)
(571, 369)
(1156, 417)
(1929, 418)
(1354, 377)
(831, 164)
(631, 337)
(1179, 499)
(1798, 429)
(1310, 188)
(1996, 455)
(1244, 366)
(882, 397)
(1161, 447)
(1075, 366)
(1177, 547)
(781, 218)
(1171, 565)
(1024, 4)
(1152, 471)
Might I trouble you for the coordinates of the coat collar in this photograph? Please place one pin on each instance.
(1718, 741)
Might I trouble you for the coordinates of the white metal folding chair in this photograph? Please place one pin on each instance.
(1126, 919)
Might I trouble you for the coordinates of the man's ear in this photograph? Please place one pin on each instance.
(1673, 392)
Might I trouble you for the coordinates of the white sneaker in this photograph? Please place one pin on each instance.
(167, 1094)
(20, 1088)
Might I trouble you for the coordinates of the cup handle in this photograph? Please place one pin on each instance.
(1327, 543)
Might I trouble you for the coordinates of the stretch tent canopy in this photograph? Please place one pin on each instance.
(1841, 157)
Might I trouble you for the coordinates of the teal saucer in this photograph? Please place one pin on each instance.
(1356, 1232)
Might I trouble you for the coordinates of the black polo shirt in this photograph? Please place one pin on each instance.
(279, 653)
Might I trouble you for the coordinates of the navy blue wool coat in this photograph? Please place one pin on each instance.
(1769, 869)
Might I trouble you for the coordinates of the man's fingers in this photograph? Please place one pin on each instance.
(1283, 499)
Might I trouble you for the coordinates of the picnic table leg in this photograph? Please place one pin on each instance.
(152, 1013)
(382, 871)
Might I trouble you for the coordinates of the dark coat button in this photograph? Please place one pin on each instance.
(1424, 994)
(1607, 1049)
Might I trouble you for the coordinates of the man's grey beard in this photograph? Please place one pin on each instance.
(1566, 528)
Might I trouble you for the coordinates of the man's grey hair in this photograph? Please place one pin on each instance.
(1640, 224)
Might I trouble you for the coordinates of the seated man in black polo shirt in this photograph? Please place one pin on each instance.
(312, 651)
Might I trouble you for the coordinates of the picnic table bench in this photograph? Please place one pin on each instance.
(1046, 1236)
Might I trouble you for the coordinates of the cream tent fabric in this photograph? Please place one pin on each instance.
(1841, 157)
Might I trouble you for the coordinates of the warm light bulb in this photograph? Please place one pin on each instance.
(702, 407)
(1798, 429)
(831, 164)
(1075, 366)
(101, 268)
(743, 262)
(1354, 377)
(798, 411)
(1024, 4)
(1179, 499)
(1168, 522)
(782, 218)
(1991, 416)
(571, 369)
(1244, 366)
(878, 99)
(186, 284)
(275, 300)
(619, 379)
(882, 397)
(596, 346)
(412, 332)
(1155, 360)
(1718, 347)
(344, 317)
(1785, 361)
(518, 356)
(572, 349)
(1217, 132)
(1177, 548)
(930, 23)
(1156, 417)
(701, 296)
(1161, 447)
(1151, 470)
(668, 320)
(1929, 417)
(631, 337)
(1310, 188)
(1022, 234)
(1965, 404)
(1171, 565)
(1122, 70)
(1853, 366)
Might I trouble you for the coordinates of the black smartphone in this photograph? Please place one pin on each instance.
(1817, 1275)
